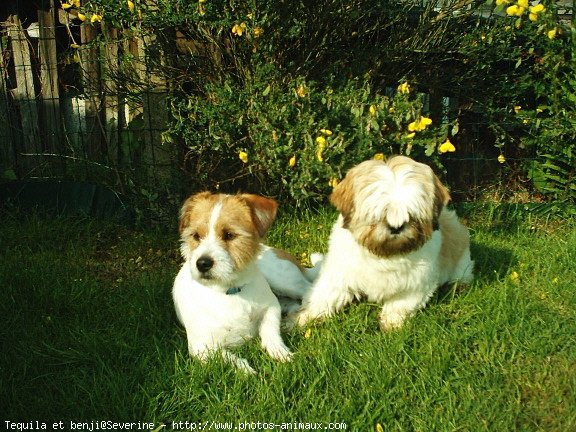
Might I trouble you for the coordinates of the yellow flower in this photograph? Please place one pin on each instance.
(95, 18)
(243, 156)
(66, 6)
(517, 108)
(274, 136)
(75, 46)
(404, 88)
(535, 11)
(292, 161)
(301, 90)
(379, 428)
(372, 110)
(321, 143)
(446, 146)
(551, 34)
(523, 3)
(258, 32)
(514, 277)
(411, 135)
(333, 182)
(239, 29)
(81, 16)
(515, 10)
(501, 159)
(501, 2)
(326, 132)
(420, 124)
(76, 3)
(308, 333)
(130, 5)
(379, 156)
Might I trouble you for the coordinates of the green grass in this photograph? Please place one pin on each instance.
(88, 333)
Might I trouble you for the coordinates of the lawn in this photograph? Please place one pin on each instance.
(88, 334)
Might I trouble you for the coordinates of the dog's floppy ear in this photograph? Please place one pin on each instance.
(263, 211)
(342, 197)
(187, 207)
(441, 198)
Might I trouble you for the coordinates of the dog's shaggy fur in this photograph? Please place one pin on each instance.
(394, 242)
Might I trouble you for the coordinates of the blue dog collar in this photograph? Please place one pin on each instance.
(234, 290)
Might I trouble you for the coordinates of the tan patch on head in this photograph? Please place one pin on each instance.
(343, 195)
(263, 211)
(242, 221)
(197, 207)
(236, 230)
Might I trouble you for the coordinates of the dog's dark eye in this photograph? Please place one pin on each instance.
(228, 235)
(196, 236)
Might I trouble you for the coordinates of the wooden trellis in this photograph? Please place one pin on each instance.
(50, 122)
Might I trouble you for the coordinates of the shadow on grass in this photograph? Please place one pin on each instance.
(491, 263)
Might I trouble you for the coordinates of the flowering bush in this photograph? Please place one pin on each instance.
(284, 104)
(295, 137)
(283, 97)
(532, 112)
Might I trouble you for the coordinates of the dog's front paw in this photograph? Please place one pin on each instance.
(302, 317)
(243, 366)
(391, 321)
(278, 351)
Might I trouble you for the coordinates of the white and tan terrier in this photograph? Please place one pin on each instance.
(221, 294)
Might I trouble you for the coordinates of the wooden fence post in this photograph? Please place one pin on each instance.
(25, 98)
(7, 143)
(91, 82)
(157, 156)
(49, 93)
(111, 112)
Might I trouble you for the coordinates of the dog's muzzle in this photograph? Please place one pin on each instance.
(204, 264)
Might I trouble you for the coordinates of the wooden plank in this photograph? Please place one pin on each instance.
(7, 142)
(49, 93)
(157, 156)
(94, 134)
(112, 110)
(25, 98)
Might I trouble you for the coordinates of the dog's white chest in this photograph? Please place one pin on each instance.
(209, 315)
(377, 279)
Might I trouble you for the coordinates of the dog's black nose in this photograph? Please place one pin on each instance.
(397, 230)
(204, 264)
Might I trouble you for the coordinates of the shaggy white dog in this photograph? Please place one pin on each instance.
(394, 242)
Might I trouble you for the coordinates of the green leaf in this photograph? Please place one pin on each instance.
(455, 128)
(9, 174)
